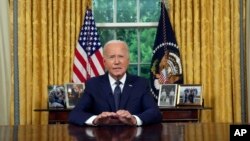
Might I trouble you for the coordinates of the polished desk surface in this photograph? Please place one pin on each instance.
(155, 132)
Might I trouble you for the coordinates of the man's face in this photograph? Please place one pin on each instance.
(116, 59)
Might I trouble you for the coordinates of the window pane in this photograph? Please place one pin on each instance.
(126, 11)
(106, 35)
(149, 10)
(132, 69)
(129, 36)
(147, 38)
(145, 69)
(140, 40)
(103, 11)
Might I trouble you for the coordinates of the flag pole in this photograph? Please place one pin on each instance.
(164, 23)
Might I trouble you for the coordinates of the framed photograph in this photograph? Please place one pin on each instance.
(73, 92)
(56, 96)
(167, 95)
(190, 95)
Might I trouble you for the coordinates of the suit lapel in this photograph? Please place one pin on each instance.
(108, 95)
(127, 90)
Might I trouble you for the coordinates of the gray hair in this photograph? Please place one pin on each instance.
(115, 41)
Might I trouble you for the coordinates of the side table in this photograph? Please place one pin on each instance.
(56, 115)
(182, 113)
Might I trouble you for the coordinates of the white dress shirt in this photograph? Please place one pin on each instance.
(113, 85)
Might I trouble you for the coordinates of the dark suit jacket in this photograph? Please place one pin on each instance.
(98, 97)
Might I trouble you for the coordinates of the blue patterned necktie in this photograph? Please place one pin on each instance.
(117, 94)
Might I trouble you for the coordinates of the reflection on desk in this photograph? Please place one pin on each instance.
(117, 133)
(156, 132)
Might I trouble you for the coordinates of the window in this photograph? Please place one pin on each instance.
(134, 21)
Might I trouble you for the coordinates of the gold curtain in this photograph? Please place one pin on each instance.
(208, 33)
(47, 36)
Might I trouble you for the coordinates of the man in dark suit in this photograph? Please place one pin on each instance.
(98, 104)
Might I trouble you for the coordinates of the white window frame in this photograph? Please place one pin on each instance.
(137, 25)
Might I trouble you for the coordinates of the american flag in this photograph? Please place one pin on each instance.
(88, 60)
(163, 79)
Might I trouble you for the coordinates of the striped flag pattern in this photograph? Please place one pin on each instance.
(163, 79)
(88, 60)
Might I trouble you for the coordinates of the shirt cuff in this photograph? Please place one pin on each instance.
(90, 120)
(138, 120)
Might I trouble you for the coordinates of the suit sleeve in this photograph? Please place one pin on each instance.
(151, 113)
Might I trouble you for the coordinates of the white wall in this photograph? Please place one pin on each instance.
(5, 67)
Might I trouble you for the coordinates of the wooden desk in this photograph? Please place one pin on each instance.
(182, 113)
(155, 132)
(170, 114)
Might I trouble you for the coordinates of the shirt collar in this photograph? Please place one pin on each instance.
(122, 80)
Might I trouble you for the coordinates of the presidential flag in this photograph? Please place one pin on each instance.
(166, 67)
(88, 60)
